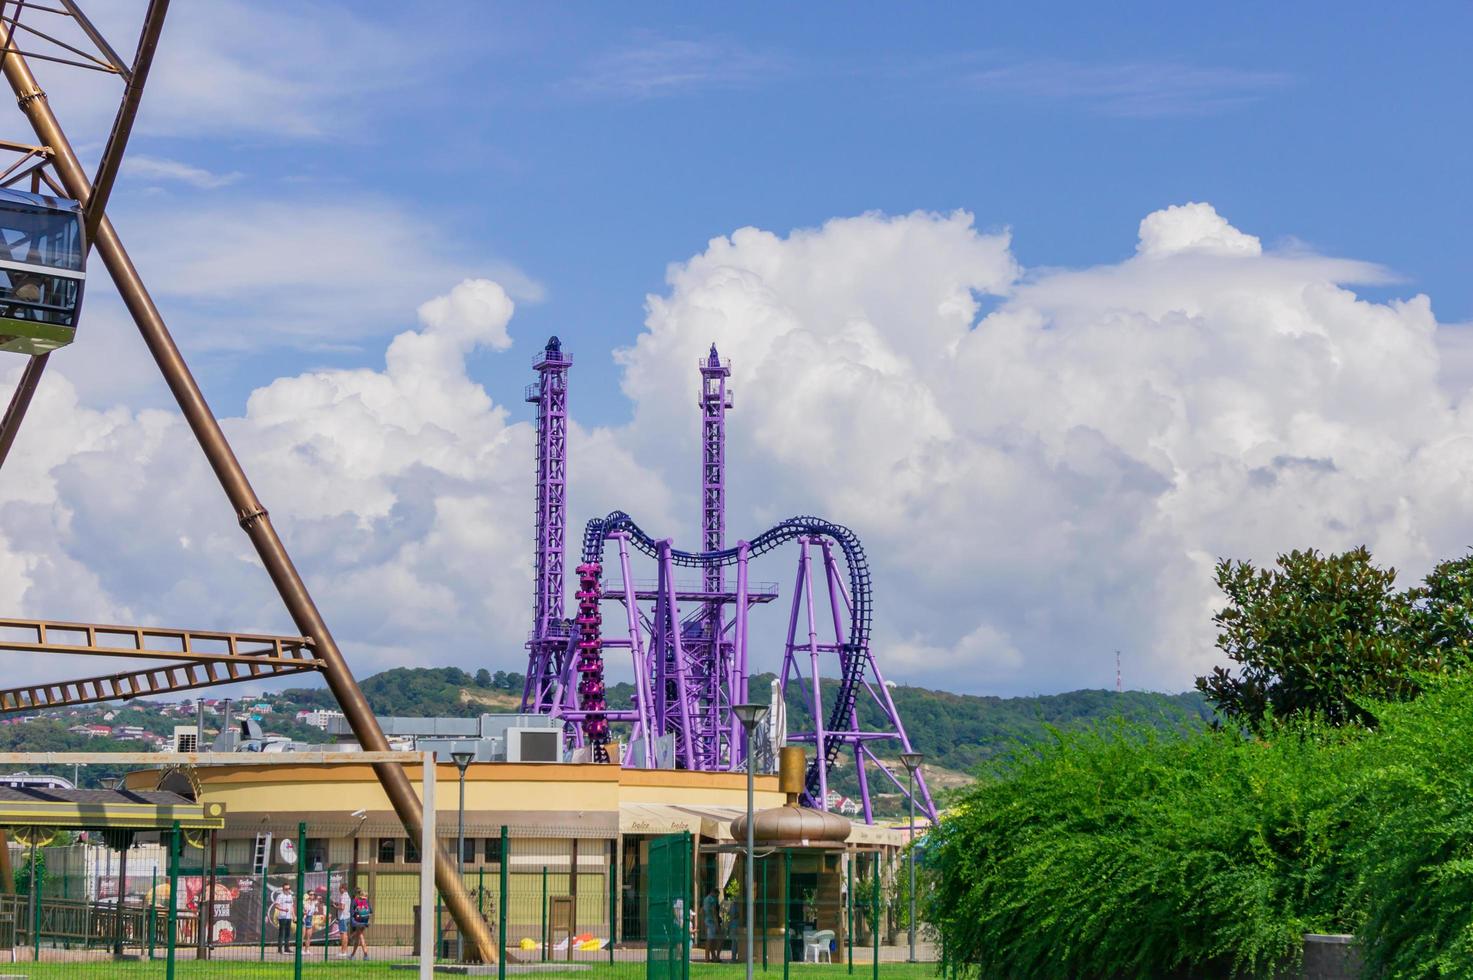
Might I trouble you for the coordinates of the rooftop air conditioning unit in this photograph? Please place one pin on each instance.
(534, 745)
(186, 738)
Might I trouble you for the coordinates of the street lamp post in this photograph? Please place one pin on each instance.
(750, 715)
(912, 762)
(462, 759)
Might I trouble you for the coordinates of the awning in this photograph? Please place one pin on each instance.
(874, 834)
(714, 823)
(100, 809)
(586, 824)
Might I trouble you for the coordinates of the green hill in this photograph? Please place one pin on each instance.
(957, 732)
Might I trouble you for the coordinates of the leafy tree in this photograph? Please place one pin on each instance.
(1442, 614)
(23, 871)
(1325, 635)
(483, 678)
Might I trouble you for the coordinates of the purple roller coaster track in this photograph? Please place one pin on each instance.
(690, 663)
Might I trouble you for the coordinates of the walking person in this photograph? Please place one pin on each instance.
(711, 916)
(284, 905)
(358, 920)
(731, 914)
(344, 906)
(310, 911)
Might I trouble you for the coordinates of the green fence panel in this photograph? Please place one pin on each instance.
(667, 909)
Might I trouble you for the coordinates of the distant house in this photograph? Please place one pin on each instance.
(838, 803)
(318, 718)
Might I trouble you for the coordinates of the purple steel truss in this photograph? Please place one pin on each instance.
(548, 654)
(706, 646)
(670, 709)
(690, 667)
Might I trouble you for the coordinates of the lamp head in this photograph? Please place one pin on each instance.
(750, 715)
(462, 759)
(911, 760)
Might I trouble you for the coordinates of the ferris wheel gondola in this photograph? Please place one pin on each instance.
(42, 252)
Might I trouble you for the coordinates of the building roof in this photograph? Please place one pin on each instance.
(714, 823)
(91, 809)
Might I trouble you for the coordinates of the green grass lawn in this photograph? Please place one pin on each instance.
(191, 970)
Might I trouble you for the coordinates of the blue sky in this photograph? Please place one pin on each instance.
(972, 315)
(592, 144)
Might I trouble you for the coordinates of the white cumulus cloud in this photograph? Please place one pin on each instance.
(1043, 466)
(1054, 480)
(402, 493)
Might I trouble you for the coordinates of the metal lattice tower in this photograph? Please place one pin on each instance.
(715, 400)
(548, 642)
(709, 651)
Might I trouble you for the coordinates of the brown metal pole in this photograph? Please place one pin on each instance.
(20, 400)
(210, 899)
(248, 508)
(122, 893)
(117, 141)
(7, 876)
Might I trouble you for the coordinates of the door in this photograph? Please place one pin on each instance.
(668, 909)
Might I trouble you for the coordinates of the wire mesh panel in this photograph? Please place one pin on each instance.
(668, 908)
(261, 896)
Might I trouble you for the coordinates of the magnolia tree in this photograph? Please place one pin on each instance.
(1329, 635)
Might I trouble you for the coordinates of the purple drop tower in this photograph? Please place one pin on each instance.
(687, 641)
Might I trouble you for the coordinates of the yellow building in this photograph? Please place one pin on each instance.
(576, 845)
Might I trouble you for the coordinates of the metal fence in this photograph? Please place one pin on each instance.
(267, 903)
(271, 902)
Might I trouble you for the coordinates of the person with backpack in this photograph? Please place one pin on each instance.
(358, 920)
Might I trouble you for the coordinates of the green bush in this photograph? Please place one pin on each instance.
(1413, 838)
(1133, 853)
(1128, 852)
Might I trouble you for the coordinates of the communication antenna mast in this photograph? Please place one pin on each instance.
(1118, 687)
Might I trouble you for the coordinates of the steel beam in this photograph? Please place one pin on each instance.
(89, 639)
(267, 759)
(20, 400)
(142, 683)
(117, 140)
(249, 510)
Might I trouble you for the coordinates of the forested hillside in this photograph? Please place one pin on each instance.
(957, 732)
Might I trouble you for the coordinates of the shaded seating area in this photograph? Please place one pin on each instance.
(33, 816)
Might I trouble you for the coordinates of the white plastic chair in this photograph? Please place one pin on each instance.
(817, 945)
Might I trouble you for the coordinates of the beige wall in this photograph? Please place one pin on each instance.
(283, 789)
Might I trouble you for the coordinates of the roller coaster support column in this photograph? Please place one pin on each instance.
(738, 686)
(645, 724)
(671, 654)
(790, 660)
(248, 508)
(820, 744)
(837, 598)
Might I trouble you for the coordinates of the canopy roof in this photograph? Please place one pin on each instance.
(103, 809)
